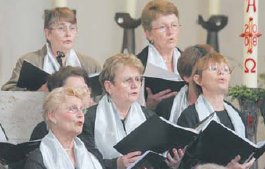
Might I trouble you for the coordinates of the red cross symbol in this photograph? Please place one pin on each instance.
(250, 35)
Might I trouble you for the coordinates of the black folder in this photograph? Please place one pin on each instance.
(159, 84)
(12, 153)
(158, 135)
(219, 144)
(211, 142)
(31, 77)
(96, 89)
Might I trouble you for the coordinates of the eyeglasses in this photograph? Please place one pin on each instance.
(164, 28)
(74, 109)
(132, 80)
(63, 28)
(217, 69)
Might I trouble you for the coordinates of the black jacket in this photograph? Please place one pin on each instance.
(87, 136)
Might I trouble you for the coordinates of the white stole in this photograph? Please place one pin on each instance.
(55, 156)
(109, 129)
(179, 104)
(156, 59)
(156, 67)
(204, 109)
(50, 64)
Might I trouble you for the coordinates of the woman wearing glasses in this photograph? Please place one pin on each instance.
(211, 77)
(72, 77)
(174, 106)
(60, 27)
(60, 148)
(118, 112)
(160, 21)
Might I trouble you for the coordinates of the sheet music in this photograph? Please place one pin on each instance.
(157, 72)
(178, 126)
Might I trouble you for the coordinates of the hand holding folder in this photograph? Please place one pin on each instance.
(212, 142)
(219, 144)
(158, 135)
(31, 77)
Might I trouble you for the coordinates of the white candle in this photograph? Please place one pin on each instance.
(250, 51)
(131, 8)
(60, 3)
(214, 7)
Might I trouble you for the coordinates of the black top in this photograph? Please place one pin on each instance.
(87, 136)
(143, 55)
(35, 160)
(164, 108)
(41, 130)
(225, 119)
(189, 118)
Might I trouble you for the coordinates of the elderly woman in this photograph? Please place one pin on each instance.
(160, 20)
(60, 148)
(73, 77)
(60, 27)
(211, 77)
(118, 113)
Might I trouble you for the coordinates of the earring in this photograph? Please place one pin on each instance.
(108, 98)
(54, 121)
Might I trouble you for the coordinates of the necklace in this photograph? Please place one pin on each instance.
(168, 60)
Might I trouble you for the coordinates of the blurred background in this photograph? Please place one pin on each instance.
(21, 29)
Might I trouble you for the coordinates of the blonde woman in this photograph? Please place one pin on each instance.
(60, 148)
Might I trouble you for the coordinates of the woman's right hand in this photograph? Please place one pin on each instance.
(153, 99)
(234, 164)
(173, 161)
(43, 88)
(124, 161)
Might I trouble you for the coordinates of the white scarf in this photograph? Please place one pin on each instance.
(156, 67)
(50, 64)
(55, 156)
(156, 59)
(109, 129)
(204, 109)
(179, 104)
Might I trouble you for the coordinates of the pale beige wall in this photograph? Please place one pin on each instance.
(99, 36)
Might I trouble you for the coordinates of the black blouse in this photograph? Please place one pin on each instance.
(189, 118)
